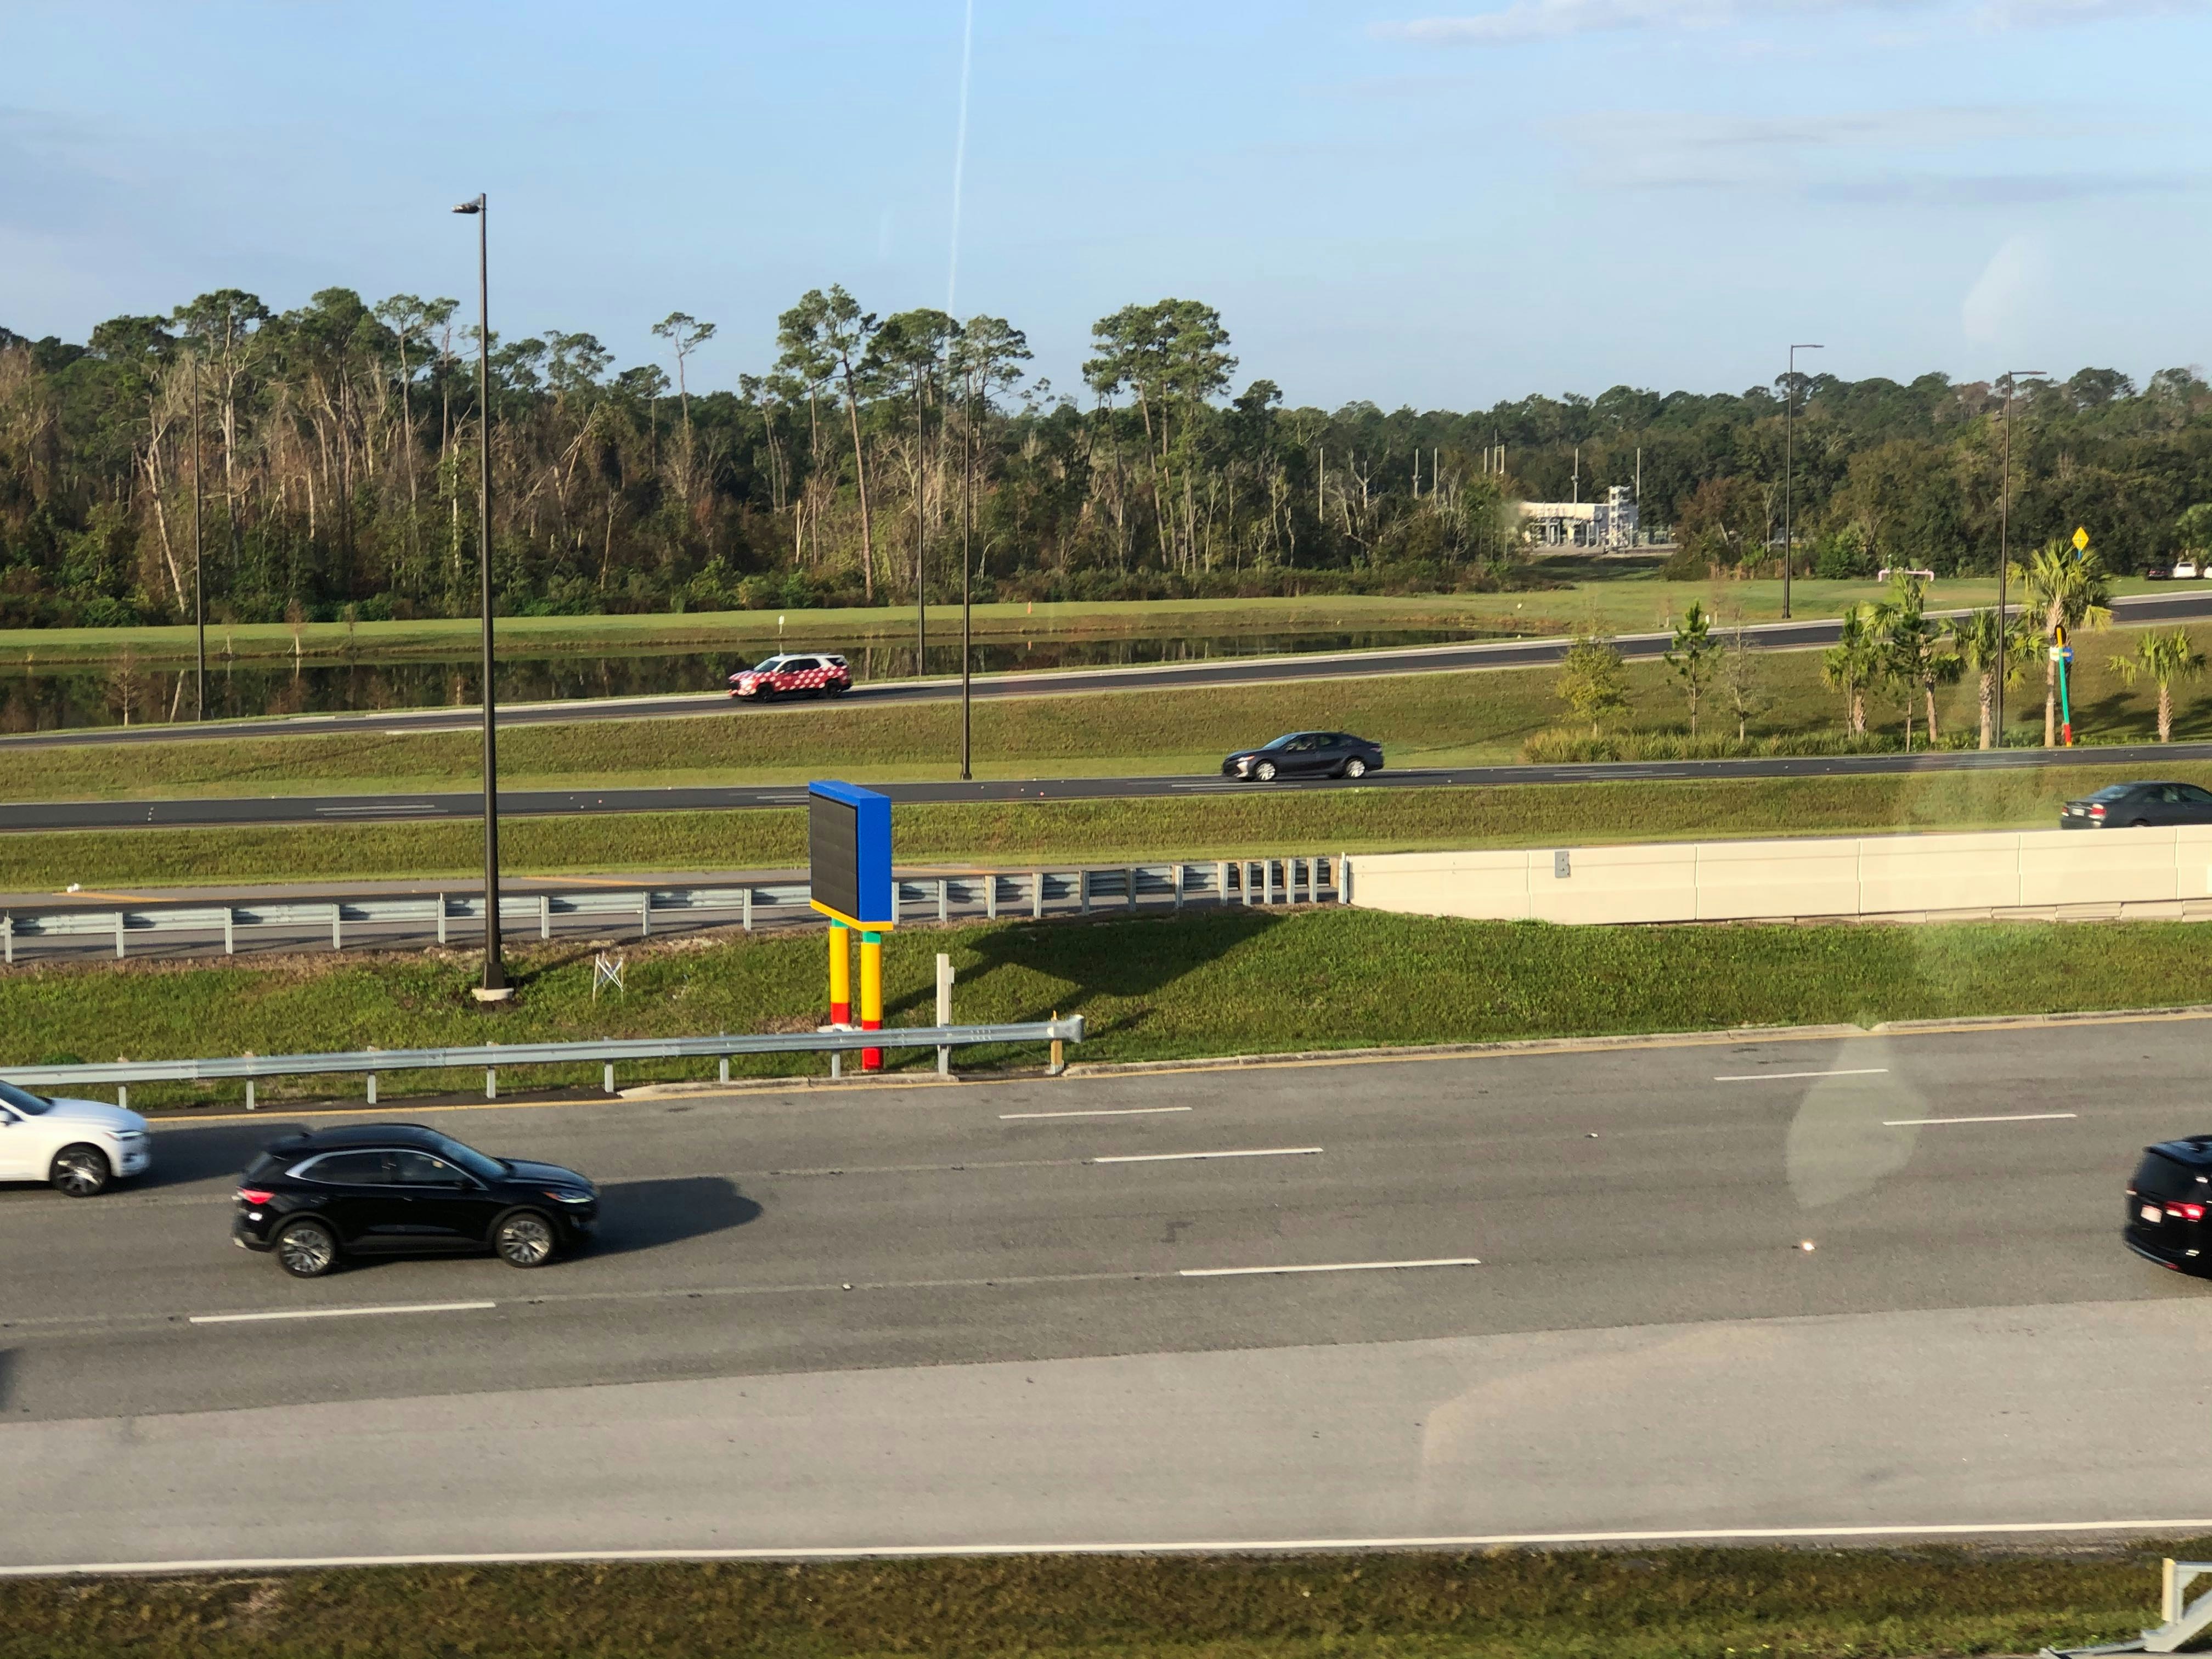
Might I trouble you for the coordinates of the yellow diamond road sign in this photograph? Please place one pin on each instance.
(2081, 538)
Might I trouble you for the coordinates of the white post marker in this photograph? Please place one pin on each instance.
(944, 1010)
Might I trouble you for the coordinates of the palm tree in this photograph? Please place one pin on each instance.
(1986, 649)
(1853, 662)
(2163, 659)
(1913, 649)
(2071, 590)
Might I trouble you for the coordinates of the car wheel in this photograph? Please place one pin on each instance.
(2140, 823)
(1265, 771)
(307, 1250)
(79, 1171)
(523, 1239)
(836, 690)
(1355, 768)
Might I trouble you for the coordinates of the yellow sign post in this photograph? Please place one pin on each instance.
(2080, 540)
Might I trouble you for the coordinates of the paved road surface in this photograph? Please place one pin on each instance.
(927, 1316)
(541, 803)
(1159, 677)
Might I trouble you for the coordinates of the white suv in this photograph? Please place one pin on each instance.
(79, 1146)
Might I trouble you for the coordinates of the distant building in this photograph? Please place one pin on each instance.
(1608, 523)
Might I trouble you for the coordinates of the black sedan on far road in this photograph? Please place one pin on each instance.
(1306, 754)
(401, 1189)
(2137, 805)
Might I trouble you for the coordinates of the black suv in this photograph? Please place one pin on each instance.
(401, 1189)
(2167, 1203)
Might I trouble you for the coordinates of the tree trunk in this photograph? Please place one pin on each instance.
(1988, 708)
(1858, 712)
(1928, 689)
(2165, 712)
(860, 473)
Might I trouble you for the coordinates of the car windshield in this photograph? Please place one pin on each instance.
(764, 667)
(23, 1100)
(483, 1168)
(1284, 741)
(2114, 792)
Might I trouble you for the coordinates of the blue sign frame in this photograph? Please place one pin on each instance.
(849, 854)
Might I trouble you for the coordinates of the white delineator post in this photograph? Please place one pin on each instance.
(944, 1009)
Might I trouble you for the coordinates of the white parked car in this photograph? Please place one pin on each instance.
(2185, 570)
(78, 1146)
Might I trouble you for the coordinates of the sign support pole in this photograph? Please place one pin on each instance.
(840, 976)
(872, 995)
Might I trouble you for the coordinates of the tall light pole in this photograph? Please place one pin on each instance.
(199, 563)
(1789, 469)
(495, 988)
(2004, 541)
(967, 571)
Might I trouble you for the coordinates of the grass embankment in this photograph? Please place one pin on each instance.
(1234, 981)
(1022, 832)
(1421, 720)
(1662, 1604)
(1631, 603)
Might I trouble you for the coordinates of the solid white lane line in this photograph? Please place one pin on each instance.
(2010, 1117)
(1117, 1111)
(1776, 1077)
(1183, 1157)
(340, 1313)
(1170, 1547)
(1332, 1268)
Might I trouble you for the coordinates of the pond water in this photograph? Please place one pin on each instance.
(42, 698)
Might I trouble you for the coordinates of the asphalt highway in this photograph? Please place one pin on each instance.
(237, 811)
(1560, 1295)
(1160, 676)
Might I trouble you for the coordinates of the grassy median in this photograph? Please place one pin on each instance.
(1659, 1604)
(1220, 983)
(1021, 833)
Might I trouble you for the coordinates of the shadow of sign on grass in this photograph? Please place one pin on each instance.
(1108, 969)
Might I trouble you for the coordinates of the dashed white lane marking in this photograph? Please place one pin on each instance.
(2009, 1118)
(1116, 1111)
(1332, 1267)
(1777, 1077)
(340, 1313)
(1186, 1158)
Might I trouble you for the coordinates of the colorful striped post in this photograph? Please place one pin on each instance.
(872, 995)
(840, 976)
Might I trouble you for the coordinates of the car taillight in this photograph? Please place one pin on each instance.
(2186, 1211)
(255, 1194)
(2096, 811)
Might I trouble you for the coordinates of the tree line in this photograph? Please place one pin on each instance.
(321, 463)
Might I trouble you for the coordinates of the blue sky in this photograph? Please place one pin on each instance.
(1427, 202)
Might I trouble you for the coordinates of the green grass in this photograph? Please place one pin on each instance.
(1663, 1604)
(1232, 982)
(1629, 603)
(1021, 833)
(1421, 720)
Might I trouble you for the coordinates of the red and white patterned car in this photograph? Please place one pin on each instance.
(793, 676)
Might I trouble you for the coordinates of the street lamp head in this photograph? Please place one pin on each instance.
(1802, 346)
(476, 206)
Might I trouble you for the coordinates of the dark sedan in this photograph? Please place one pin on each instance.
(1306, 754)
(2167, 1201)
(2137, 805)
(401, 1189)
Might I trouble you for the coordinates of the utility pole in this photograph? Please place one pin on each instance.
(967, 575)
(2004, 543)
(495, 988)
(1789, 470)
(200, 562)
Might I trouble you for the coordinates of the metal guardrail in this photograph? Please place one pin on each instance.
(837, 1042)
(922, 896)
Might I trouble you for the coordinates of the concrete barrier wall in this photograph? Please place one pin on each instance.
(2006, 874)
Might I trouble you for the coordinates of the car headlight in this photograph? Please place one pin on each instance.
(569, 1194)
(126, 1136)
(1244, 762)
